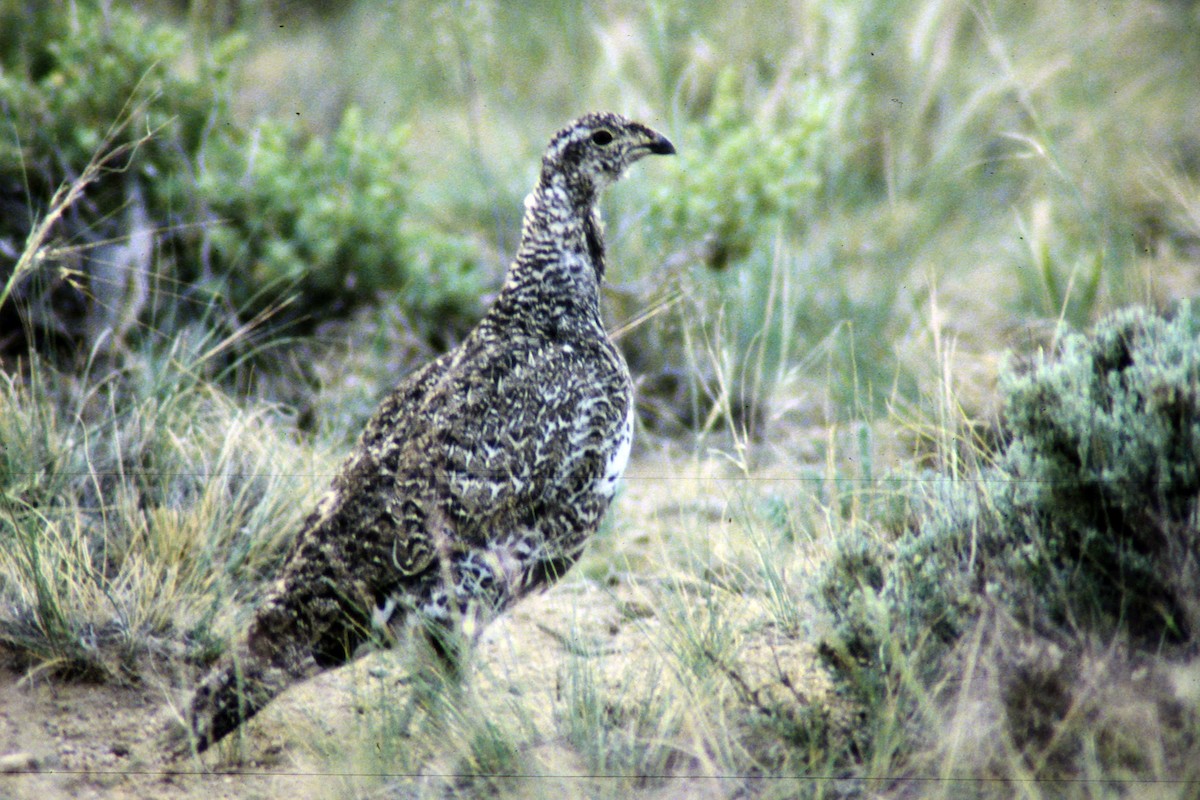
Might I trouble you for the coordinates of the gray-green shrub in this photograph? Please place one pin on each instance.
(1084, 528)
(1104, 464)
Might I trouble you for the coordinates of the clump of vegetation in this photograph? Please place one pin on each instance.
(741, 176)
(326, 221)
(734, 200)
(1104, 461)
(133, 510)
(1083, 531)
(80, 83)
(70, 78)
(200, 209)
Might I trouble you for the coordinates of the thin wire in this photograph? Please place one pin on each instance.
(225, 773)
(628, 477)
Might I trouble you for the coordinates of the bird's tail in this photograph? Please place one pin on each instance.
(238, 687)
(292, 638)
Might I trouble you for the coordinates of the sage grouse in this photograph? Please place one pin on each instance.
(481, 476)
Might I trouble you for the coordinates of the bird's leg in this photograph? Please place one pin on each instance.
(446, 638)
(436, 672)
(439, 647)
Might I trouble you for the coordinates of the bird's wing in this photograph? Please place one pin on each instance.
(482, 442)
(511, 434)
(362, 510)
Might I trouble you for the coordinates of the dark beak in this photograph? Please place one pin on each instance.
(661, 146)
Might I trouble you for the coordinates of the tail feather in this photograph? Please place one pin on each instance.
(317, 617)
(288, 642)
(236, 689)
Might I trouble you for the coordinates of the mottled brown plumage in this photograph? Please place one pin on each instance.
(481, 476)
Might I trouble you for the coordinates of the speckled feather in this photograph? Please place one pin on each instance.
(480, 478)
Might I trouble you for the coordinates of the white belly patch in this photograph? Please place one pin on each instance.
(618, 458)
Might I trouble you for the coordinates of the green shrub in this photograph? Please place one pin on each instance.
(748, 171)
(1085, 528)
(1104, 463)
(65, 86)
(77, 82)
(739, 176)
(202, 210)
(328, 221)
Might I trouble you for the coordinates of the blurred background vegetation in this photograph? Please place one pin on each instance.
(852, 181)
(227, 228)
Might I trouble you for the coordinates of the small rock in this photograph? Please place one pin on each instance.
(18, 762)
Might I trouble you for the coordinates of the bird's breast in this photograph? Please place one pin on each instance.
(618, 457)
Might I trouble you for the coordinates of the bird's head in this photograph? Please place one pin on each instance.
(595, 149)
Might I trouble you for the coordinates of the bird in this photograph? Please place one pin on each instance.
(479, 478)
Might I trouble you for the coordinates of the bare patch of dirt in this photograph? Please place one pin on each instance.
(87, 741)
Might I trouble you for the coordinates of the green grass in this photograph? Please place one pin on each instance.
(818, 386)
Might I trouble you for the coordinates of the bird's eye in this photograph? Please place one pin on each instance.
(602, 137)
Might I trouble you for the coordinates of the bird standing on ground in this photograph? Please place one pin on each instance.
(481, 476)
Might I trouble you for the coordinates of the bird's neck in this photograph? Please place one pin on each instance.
(560, 262)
